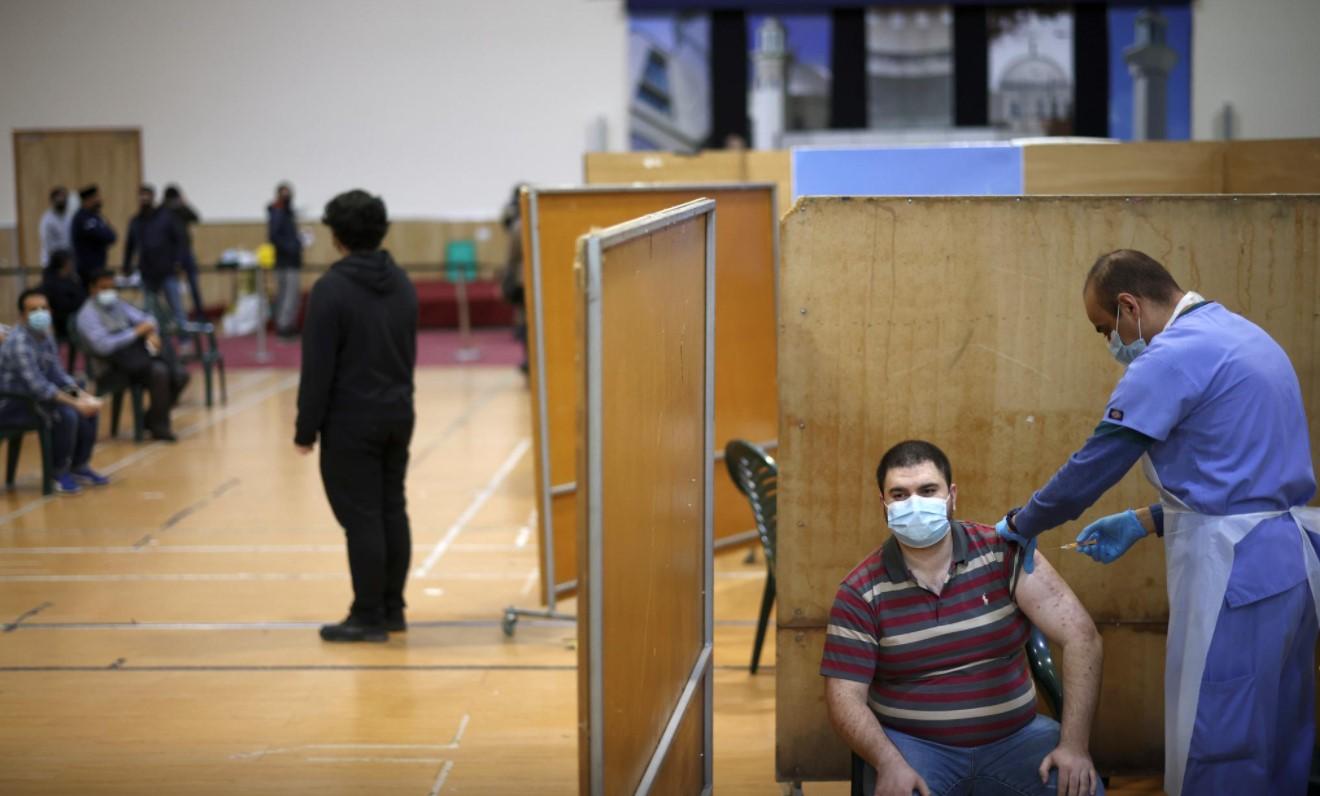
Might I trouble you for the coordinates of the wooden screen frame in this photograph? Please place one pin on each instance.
(553, 586)
(591, 630)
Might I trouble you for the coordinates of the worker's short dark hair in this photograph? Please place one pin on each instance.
(56, 191)
(358, 220)
(88, 191)
(25, 295)
(172, 191)
(98, 275)
(911, 452)
(1130, 271)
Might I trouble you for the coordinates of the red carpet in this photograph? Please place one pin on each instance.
(435, 347)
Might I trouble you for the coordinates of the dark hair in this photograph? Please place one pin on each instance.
(358, 220)
(911, 452)
(57, 260)
(88, 190)
(23, 297)
(1130, 271)
(172, 191)
(56, 191)
(99, 274)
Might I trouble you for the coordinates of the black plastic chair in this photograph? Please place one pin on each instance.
(1043, 670)
(108, 381)
(205, 348)
(14, 434)
(757, 476)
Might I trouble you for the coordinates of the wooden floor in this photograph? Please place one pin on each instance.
(160, 633)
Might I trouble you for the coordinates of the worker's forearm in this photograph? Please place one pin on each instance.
(1082, 659)
(861, 730)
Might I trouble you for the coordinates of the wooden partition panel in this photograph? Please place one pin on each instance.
(646, 304)
(1285, 166)
(960, 320)
(1163, 167)
(745, 356)
(656, 168)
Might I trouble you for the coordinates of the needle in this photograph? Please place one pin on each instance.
(1075, 545)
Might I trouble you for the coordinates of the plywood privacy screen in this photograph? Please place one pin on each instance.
(745, 402)
(960, 321)
(646, 553)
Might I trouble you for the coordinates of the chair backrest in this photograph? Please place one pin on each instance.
(1044, 671)
(461, 260)
(757, 476)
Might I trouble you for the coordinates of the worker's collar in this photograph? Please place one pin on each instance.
(1190, 300)
(896, 566)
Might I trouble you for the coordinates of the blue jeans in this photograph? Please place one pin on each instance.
(1010, 767)
(72, 435)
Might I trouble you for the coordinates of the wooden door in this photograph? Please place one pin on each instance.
(111, 158)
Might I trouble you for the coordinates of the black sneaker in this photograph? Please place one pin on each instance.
(395, 623)
(352, 630)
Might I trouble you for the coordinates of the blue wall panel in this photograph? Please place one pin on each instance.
(908, 171)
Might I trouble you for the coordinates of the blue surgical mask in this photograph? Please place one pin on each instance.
(106, 298)
(39, 321)
(1125, 352)
(919, 521)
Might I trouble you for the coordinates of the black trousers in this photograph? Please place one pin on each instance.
(363, 467)
(155, 375)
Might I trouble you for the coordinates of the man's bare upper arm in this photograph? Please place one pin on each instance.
(1051, 606)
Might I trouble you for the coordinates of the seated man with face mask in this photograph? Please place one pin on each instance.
(925, 663)
(126, 340)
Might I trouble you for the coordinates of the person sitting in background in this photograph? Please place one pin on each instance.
(64, 291)
(30, 365)
(925, 662)
(92, 235)
(156, 237)
(55, 225)
(186, 216)
(127, 340)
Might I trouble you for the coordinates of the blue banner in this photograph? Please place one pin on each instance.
(991, 170)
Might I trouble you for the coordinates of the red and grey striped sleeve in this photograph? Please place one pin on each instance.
(852, 641)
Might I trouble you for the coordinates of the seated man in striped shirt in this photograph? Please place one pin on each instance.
(925, 664)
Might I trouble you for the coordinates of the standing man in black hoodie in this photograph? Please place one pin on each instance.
(359, 348)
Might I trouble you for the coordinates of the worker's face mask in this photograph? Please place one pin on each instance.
(39, 321)
(1125, 352)
(919, 521)
(106, 298)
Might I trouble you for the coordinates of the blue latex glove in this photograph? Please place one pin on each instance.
(1110, 537)
(1028, 545)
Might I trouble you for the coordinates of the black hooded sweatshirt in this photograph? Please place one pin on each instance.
(359, 346)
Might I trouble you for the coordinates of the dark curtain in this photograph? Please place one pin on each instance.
(971, 67)
(728, 77)
(848, 67)
(1091, 69)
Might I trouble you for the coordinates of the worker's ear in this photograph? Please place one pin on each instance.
(953, 500)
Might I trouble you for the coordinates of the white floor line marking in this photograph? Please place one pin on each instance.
(440, 778)
(431, 760)
(471, 511)
(529, 583)
(152, 448)
(524, 534)
(458, 734)
(202, 577)
(480, 547)
(273, 577)
(182, 548)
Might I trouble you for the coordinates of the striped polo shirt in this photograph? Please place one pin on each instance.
(950, 669)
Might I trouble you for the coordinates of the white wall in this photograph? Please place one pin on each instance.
(1263, 56)
(440, 106)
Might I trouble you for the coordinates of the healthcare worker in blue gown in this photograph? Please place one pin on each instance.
(1210, 405)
